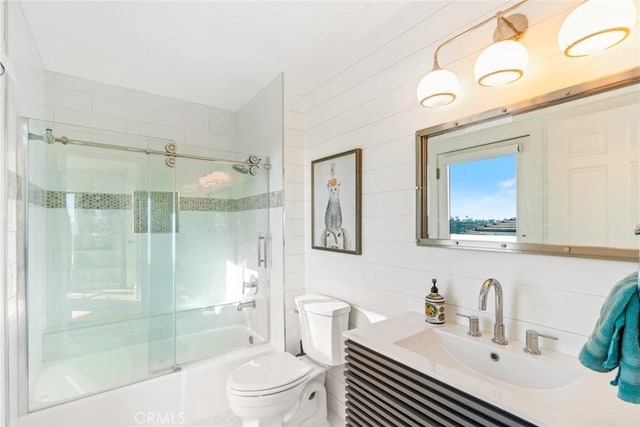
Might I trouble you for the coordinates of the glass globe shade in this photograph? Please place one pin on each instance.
(596, 25)
(501, 63)
(438, 88)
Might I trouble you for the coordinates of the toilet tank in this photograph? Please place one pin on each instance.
(322, 322)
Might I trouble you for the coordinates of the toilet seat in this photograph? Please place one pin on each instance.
(270, 374)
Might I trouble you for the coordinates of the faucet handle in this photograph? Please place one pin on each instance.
(532, 342)
(474, 325)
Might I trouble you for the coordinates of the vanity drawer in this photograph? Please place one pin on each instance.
(382, 392)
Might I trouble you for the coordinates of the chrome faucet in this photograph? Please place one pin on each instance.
(242, 305)
(498, 327)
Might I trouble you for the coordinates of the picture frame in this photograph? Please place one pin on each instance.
(336, 203)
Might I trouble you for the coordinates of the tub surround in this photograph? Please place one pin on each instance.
(189, 397)
(578, 403)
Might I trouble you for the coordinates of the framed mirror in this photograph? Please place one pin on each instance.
(555, 175)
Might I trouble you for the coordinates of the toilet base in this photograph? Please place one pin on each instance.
(312, 407)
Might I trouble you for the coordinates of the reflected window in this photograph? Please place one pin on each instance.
(482, 197)
(475, 191)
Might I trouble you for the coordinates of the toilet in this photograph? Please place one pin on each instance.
(280, 389)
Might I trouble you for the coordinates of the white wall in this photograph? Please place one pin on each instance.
(89, 103)
(365, 97)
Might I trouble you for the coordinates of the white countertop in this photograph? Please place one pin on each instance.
(590, 401)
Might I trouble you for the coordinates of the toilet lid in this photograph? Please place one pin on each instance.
(274, 371)
(327, 308)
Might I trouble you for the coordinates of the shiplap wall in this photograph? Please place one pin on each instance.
(294, 231)
(365, 97)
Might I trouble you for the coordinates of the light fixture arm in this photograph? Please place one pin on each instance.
(499, 16)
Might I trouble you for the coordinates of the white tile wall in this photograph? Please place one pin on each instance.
(259, 130)
(93, 104)
(365, 97)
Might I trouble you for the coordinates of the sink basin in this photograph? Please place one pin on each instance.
(478, 356)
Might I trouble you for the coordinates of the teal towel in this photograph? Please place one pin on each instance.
(615, 342)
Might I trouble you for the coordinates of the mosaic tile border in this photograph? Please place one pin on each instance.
(161, 215)
(61, 200)
(37, 195)
(204, 204)
(84, 200)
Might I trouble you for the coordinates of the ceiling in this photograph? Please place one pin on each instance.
(217, 53)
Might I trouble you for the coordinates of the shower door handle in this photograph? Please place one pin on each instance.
(262, 250)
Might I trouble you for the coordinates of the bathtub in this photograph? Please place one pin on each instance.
(194, 393)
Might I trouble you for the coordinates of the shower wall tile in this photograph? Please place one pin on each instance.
(140, 113)
(276, 199)
(180, 119)
(132, 331)
(49, 78)
(93, 87)
(62, 199)
(260, 201)
(206, 139)
(220, 122)
(89, 120)
(135, 127)
(49, 114)
(114, 201)
(122, 109)
(68, 99)
(188, 124)
(207, 204)
(159, 218)
(152, 100)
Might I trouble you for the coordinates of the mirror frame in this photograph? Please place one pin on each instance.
(571, 93)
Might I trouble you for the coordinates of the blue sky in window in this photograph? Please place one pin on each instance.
(483, 189)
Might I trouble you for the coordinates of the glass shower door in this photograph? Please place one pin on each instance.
(157, 222)
(136, 266)
(216, 264)
(96, 310)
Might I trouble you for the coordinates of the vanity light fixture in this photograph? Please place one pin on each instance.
(439, 87)
(506, 60)
(596, 25)
(503, 62)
